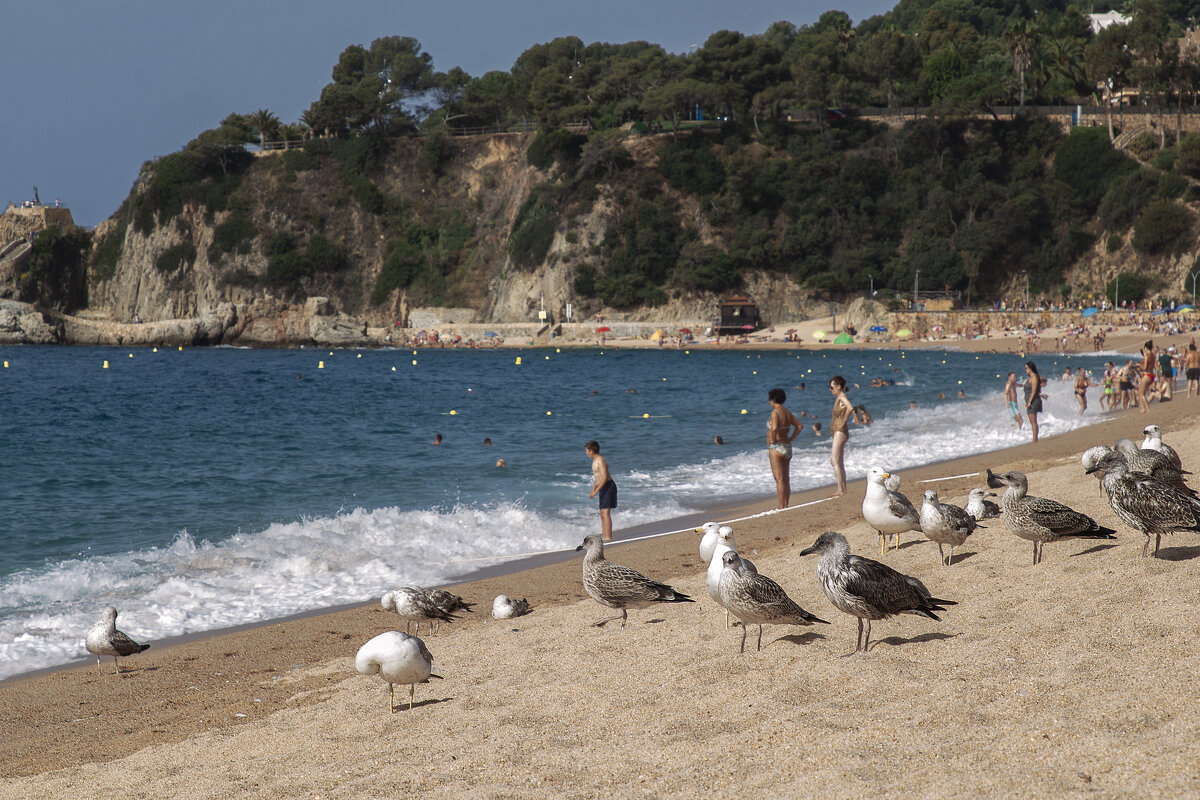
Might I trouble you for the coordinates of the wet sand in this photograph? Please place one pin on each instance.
(1076, 677)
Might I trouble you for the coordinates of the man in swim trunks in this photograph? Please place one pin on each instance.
(604, 486)
(1191, 365)
(1010, 396)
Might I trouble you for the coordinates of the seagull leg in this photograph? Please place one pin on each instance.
(759, 649)
(391, 698)
(412, 690)
(1157, 542)
(897, 541)
(950, 563)
(743, 649)
(100, 669)
(727, 619)
(1035, 552)
(602, 622)
(942, 553)
(867, 641)
(882, 544)
(117, 664)
(1146, 547)
(857, 642)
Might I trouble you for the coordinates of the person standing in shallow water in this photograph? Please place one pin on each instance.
(604, 486)
(839, 431)
(782, 428)
(1033, 396)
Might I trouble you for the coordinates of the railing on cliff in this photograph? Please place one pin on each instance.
(485, 130)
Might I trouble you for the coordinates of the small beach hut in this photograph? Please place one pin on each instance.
(738, 315)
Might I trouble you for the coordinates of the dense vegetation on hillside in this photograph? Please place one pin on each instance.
(780, 182)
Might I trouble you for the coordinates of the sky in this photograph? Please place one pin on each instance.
(93, 90)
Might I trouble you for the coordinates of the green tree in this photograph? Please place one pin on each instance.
(1107, 62)
(1021, 42)
(266, 123)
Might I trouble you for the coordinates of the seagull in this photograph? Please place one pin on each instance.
(1091, 457)
(892, 482)
(1039, 520)
(945, 524)
(1153, 441)
(448, 602)
(620, 587)
(105, 640)
(708, 541)
(503, 608)
(887, 511)
(755, 599)
(397, 658)
(724, 544)
(414, 605)
(868, 589)
(1147, 505)
(979, 507)
(1153, 463)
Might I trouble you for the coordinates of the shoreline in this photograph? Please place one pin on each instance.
(221, 681)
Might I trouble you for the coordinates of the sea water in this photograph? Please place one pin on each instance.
(197, 489)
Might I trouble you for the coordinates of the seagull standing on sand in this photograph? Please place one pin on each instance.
(503, 608)
(979, 507)
(397, 658)
(620, 587)
(105, 640)
(867, 589)
(1153, 463)
(756, 599)
(414, 605)
(945, 524)
(449, 603)
(887, 511)
(1153, 441)
(712, 579)
(1147, 505)
(1039, 520)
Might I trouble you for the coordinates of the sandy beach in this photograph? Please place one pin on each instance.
(1076, 677)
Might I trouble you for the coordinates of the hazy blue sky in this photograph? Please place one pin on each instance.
(91, 90)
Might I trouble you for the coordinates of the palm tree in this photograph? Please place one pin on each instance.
(266, 123)
(1021, 41)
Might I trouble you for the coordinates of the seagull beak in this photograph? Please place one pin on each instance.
(1090, 471)
(577, 549)
(808, 550)
(886, 475)
(698, 530)
(991, 494)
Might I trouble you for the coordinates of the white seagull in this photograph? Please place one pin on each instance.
(397, 658)
(504, 608)
(887, 511)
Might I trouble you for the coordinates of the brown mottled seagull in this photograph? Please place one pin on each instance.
(1149, 506)
(1039, 520)
(620, 587)
(867, 589)
(756, 599)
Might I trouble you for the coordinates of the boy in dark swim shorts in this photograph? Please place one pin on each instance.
(603, 486)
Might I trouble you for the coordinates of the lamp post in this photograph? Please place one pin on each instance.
(916, 293)
(1193, 276)
(871, 285)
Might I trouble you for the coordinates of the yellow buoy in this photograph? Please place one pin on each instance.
(393, 369)
(320, 365)
(181, 347)
(106, 365)
(645, 416)
(547, 358)
(453, 412)
(6, 365)
(744, 411)
(360, 355)
(754, 373)
(131, 355)
(557, 350)
(518, 359)
(155, 350)
(414, 362)
(549, 413)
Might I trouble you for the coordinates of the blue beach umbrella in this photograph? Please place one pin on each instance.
(490, 334)
(878, 329)
(1087, 312)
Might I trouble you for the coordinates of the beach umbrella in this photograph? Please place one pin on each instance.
(904, 332)
(1160, 312)
(878, 329)
(747, 327)
(491, 334)
(1087, 312)
(1186, 309)
(685, 330)
(657, 335)
(790, 330)
(605, 329)
(844, 338)
(818, 334)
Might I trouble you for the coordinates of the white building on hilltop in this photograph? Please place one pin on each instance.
(1101, 21)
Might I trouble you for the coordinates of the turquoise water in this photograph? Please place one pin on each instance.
(200, 488)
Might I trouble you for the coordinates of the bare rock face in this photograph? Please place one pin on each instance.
(21, 323)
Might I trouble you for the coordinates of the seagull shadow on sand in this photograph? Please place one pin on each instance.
(808, 637)
(896, 641)
(432, 701)
(1093, 549)
(1178, 553)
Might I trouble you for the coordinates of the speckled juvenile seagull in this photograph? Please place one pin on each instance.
(105, 640)
(887, 511)
(867, 589)
(723, 544)
(414, 605)
(620, 587)
(945, 524)
(756, 599)
(1147, 505)
(1039, 520)
(1153, 463)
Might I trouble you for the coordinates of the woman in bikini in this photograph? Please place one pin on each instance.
(782, 428)
(839, 431)
(1033, 396)
(1148, 364)
(1081, 386)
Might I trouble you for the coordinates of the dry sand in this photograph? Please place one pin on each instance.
(1079, 677)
